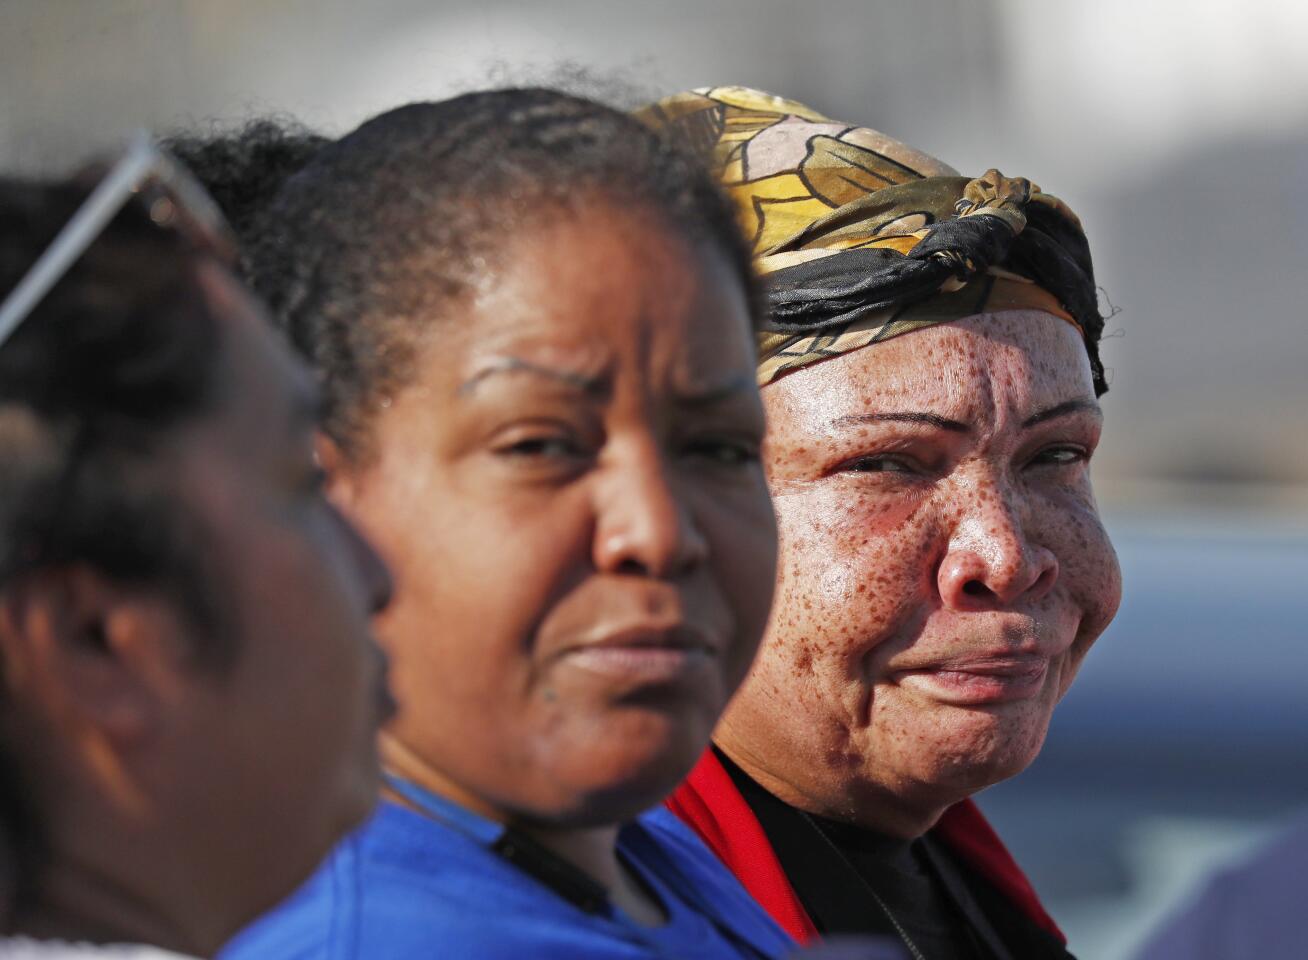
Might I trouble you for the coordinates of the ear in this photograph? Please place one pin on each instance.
(341, 478)
(92, 655)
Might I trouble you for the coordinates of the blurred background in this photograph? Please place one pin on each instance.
(1178, 131)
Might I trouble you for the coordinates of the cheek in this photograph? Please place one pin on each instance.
(1089, 572)
(854, 573)
(474, 577)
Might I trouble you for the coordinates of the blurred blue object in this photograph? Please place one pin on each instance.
(1181, 741)
(1246, 912)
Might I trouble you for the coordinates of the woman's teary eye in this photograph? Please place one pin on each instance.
(881, 463)
(1060, 455)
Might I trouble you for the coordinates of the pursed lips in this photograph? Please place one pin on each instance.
(651, 651)
(645, 635)
(979, 679)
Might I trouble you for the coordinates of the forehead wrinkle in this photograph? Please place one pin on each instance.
(695, 396)
(597, 385)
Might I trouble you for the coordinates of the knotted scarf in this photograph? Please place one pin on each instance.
(860, 238)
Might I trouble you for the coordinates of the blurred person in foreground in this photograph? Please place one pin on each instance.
(190, 688)
(1245, 911)
(930, 373)
(533, 321)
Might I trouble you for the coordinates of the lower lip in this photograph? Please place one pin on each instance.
(979, 686)
(648, 665)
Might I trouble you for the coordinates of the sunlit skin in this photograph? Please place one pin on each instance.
(570, 494)
(183, 798)
(943, 569)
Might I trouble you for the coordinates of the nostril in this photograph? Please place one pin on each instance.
(975, 588)
(1043, 582)
(631, 567)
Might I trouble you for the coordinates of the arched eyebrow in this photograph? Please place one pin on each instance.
(739, 385)
(1079, 405)
(955, 426)
(930, 419)
(584, 383)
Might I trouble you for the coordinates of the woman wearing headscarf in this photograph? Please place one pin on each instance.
(930, 372)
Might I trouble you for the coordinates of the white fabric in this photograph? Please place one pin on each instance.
(24, 948)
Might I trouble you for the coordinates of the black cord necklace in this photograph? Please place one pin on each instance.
(556, 874)
(876, 897)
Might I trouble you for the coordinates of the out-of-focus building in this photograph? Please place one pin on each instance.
(1179, 132)
(1182, 138)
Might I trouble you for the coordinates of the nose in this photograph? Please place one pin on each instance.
(991, 561)
(644, 524)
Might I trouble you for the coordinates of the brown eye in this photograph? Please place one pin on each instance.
(1060, 456)
(724, 452)
(878, 464)
(542, 447)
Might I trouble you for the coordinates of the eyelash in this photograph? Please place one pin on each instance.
(719, 452)
(1059, 455)
(1077, 455)
(878, 462)
(739, 453)
(542, 446)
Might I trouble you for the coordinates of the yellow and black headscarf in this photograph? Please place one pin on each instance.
(861, 238)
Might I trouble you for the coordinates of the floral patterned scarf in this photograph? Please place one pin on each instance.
(861, 238)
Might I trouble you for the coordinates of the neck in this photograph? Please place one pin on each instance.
(593, 850)
(871, 807)
(115, 866)
(76, 901)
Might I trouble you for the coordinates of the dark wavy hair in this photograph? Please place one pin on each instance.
(243, 168)
(382, 232)
(103, 373)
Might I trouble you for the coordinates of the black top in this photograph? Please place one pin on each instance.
(854, 881)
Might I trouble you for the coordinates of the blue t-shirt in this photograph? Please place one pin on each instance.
(408, 886)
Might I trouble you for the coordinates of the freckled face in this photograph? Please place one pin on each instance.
(943, 569)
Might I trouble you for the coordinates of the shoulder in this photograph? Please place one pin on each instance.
(398, 877)
(405, 887)
(721, 895)
(670, 833)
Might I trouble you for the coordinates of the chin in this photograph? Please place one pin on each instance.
(986, 749)
(629, 769)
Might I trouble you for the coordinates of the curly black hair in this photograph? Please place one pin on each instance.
(111, 362)
(116, 359)
(383, 231)
(244, 168)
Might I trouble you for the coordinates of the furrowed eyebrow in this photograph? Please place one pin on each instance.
(928, 419)
(1063, 409)
(713, 395)
(597, 385)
